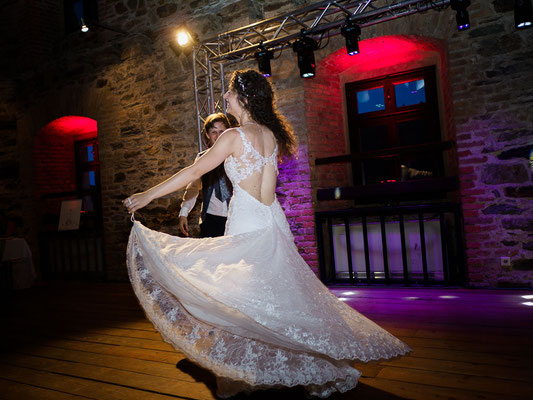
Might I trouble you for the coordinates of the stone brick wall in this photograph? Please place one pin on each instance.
(492, 71)
(141, 95)
(55, 164)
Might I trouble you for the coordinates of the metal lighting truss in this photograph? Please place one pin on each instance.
(277, 33)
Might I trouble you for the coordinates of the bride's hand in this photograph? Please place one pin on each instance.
(137, 201)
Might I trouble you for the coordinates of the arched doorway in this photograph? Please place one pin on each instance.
(67, 179)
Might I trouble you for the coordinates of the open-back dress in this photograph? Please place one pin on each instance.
(246, 305)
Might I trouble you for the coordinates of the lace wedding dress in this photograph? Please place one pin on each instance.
(246, 305)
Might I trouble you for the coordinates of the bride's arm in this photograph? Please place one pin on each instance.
(222, 148)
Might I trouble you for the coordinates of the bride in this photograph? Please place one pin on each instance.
(246, 305)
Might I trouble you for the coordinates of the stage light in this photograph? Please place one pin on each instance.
(460, 6)
(523, 14)
(304, 48)
(263, 57)
(84, 27)
(351, 32)
(184, 38)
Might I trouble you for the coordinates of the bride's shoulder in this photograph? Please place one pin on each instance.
(230, 135)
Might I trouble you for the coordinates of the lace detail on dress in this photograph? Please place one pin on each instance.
(240, 363)
(240, 168)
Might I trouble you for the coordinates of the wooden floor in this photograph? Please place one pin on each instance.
(92, 341)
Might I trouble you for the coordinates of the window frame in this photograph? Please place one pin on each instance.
(86, 166)
(390, 117)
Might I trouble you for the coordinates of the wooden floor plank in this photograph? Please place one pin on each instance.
(142, 381)
(421, 391)
(125, 362)
(169, 357)
(496, 360)
(458, 381)
(465, 368)
(65, 383)
(470, 345)
(10, 390)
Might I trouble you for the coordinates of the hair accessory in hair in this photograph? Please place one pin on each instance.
(240, 81)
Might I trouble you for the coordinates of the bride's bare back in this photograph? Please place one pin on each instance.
(255, 160)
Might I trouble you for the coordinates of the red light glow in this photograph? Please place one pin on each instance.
(381, 53)
(72, 126)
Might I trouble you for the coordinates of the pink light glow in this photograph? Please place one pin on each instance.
(73, 126)
(381, 52)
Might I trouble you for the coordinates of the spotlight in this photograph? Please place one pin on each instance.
(304, 48)
(523, 14)
(463, 21)
(183, 38)
(84, 27)
(263, 57)
(351, 32)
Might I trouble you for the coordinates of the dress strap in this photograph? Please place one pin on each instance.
(248, 148)
(243, 136)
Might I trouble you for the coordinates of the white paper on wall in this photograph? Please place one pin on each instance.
(69, 219)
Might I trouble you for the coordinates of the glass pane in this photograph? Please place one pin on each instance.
(373, 138)
(90, 153)
(378, 171)
(88, 203)
(409, 93)
(87, 152)
(88, 180)
(370, 100)
(92, 178)
(413, 132)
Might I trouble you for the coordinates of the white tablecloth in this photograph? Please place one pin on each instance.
(18, 252)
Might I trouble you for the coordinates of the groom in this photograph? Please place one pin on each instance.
(215, 185)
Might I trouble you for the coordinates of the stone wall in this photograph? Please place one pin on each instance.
(141, 95)
(492, 76)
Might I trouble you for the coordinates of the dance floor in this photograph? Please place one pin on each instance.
(92, 341)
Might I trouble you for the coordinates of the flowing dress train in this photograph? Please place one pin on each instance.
(246, 305)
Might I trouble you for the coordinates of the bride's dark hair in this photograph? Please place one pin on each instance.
(256, 95)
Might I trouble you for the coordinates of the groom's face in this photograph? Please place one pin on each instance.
(215, 131)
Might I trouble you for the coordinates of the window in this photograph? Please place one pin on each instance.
(392, 120)
(88, 173)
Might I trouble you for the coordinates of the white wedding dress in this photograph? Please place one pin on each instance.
(246, 305)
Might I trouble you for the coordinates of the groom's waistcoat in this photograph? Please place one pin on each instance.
(215, 183)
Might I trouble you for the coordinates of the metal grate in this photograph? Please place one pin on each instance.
(72, 255)
(416, 244)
